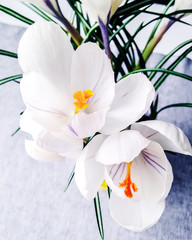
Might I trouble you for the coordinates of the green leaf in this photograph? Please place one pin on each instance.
(70, 179)
(109, 191)
(128, 8)
(15, 132)
(7, 53)
(158, 23)
(98, 215)
(168, 56)
(175, 105)
(167, 71)
(15, 14)
(171, 67)
(11, 78)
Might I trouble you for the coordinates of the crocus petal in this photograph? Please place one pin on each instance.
(47, 104)
(85, 125)
(115, 5)
(27, 124)
(133, 97)
(136, 216)
(170, 137)
(183, 4)
(98, 8)
(152, 174)
(91, 70)
(46, 49)
(60, 143)
(40, 154)
(121, 147)
(89, 174)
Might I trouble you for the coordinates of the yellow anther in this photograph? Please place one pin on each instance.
(104, 185)
(82, 97)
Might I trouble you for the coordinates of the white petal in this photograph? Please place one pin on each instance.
(27, 124)
(89, 174)
(98, 8)
(46, 102)
(40, 154)
(136, 216)
(46, 49)
(170, 137)
(133, 97)
(85, 125)
(91, 70)
(183, 4)
(60, 143)
(115, 5)
(152, 174)
(121, 147)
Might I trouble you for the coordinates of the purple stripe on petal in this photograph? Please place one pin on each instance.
(147, 153)
(111, 169)
(146, 157)
(123, 168)
(152, 135)
(90, 100)
(152, 166)
(52, 110)
(72, 130)
(125, 94)
(116, 171)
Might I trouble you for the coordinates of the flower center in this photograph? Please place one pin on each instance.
(82, 97)
(127, 183)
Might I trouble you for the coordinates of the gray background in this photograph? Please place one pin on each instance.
(33, 205)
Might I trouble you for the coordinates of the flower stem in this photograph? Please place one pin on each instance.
(70, 28)
(98, 215)
(105, 36)
(154, 41)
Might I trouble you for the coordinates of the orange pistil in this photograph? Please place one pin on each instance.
(82, 97)
(127, 183)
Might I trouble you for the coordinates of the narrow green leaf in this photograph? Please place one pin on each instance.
(109, 191)
(91, 30)
(15, 132)
(98, 215)
(157, 24)
(7, 53)
(167, 71)
(175, 105)
(11, 78)
(171, 67)
(70, 179)
(15, 14)
(127, 9)
(168, 56)
(38, 11)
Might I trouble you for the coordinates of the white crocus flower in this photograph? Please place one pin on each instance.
(135, 167)
(72, 93)
(102, 9)
(183, 4)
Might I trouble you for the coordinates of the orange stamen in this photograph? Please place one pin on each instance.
(127, 183)
(82, 97)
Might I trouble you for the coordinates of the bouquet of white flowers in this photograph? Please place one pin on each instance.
(91, 99)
